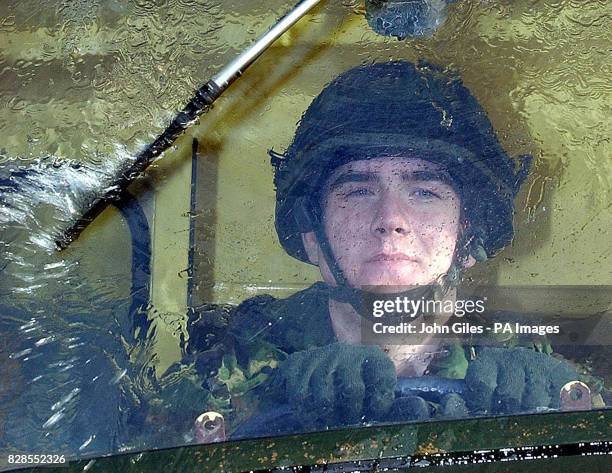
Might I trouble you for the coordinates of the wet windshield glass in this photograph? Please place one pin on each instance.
(399, 213)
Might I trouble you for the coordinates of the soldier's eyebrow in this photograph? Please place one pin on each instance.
(409, 176)
(352, 176)
(428, 175)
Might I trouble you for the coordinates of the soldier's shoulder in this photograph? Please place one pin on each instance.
(292, 323)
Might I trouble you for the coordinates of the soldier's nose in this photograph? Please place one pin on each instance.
(390, 217)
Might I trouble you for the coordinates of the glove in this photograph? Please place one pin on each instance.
(513, 380)
(336, 384)
(415, 408)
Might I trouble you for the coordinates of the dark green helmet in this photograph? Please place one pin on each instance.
(400, 109)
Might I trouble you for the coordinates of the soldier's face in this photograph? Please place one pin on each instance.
(389, 221)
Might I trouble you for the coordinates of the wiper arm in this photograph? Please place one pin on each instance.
(204, 97)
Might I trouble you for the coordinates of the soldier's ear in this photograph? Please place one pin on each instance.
(311, 245)
(468, 261)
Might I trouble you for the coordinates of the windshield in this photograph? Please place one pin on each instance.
(399, 213)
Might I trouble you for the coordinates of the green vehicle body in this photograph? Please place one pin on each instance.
(570, 441)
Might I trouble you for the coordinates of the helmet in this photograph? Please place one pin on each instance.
(400, 109)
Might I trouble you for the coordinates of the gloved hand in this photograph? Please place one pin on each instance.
(513, 380)
(336, 384)
(415, 408)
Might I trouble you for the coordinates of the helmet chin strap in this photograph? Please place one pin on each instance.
(343, 291)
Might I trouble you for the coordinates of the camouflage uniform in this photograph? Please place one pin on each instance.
(232, 352)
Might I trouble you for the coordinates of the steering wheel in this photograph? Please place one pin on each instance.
(282, 419)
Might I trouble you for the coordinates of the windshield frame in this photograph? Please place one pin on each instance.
(501, 438)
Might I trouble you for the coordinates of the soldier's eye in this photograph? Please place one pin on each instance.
(359, 192)
(425, 194)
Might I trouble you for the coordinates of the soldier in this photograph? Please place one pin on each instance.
(395, 177)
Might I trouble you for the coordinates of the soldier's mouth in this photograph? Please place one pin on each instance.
(391, 257)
